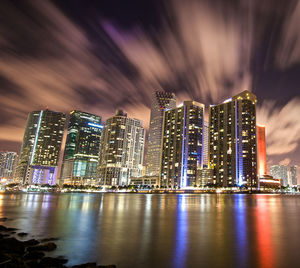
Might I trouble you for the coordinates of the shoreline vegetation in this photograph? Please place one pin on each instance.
(31, 253)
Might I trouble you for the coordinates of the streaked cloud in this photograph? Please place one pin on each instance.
(202, 50)
(285, 161)
(282, 126)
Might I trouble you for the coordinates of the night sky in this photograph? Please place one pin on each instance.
(99, 56)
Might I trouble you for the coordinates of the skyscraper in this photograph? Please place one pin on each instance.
(181, 153)
(293, 172)
(121, 150)
(41, 147)
(8, 163)
(261, 151)
(160, 101)
(232, 141)
(205, 144)
(81, 154)
(280, 172)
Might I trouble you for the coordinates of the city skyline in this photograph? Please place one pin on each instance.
(189, 61)
(160, 133)
(86, 124)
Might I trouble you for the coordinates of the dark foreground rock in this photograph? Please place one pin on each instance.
(22, 234)
(30, 253)
(93, 265)
(12, 245)
(49, 239)
(52, 262)
(7, 229)
(44, 247)
(31, 242)
(34, 255)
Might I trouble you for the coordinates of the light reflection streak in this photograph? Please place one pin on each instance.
(264, 234)
(146, 227)
(181, 232)
(240, 228)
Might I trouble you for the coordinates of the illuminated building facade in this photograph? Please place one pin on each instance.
(293, 174)
(232, 141)
(41, 146)
(204, 176)
(160, 101)
(205, 144)
(121, 150)
(8, 163)
(181, 153)
(82, 147)
(261, 151)
(280, 172)
(266, 181)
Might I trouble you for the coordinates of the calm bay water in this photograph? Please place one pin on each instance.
(143, 230)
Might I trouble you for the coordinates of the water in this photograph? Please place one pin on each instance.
(140, 230)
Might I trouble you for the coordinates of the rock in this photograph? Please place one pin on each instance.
(12, 245)
(31, 242)
(22, 234)
(44, 247)
(34, 255)
(52, 262)
(3, 219)
(3, 236)
(86, 265)
(93, 265)
(32, 264)
(7, 229)
(3, 228)
(49, 239)
(15, 260)
(4, 257)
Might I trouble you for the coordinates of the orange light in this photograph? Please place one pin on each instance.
(261, 151)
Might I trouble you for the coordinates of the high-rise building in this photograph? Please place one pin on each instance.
(160, 101)
(121, 150)
(41, 147)
(2, 163)
(232, 141)
(8, 163)
(280, 172)
(261, 151)
(82, 147)
(181, 153)
(205, 144)
(293, 172)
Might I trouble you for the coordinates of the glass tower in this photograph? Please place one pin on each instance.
(82, 147)
(121, 150)
(232, 141)
(41, 146)
(181, 153)
(205, 145)
(160, 101)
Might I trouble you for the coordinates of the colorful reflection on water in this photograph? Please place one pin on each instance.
(141, 230)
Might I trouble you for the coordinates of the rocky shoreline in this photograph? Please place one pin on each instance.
(31, 253)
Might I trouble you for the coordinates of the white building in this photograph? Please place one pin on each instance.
(280, 172)
(160, 101)
(121, 150)
(8, 163)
